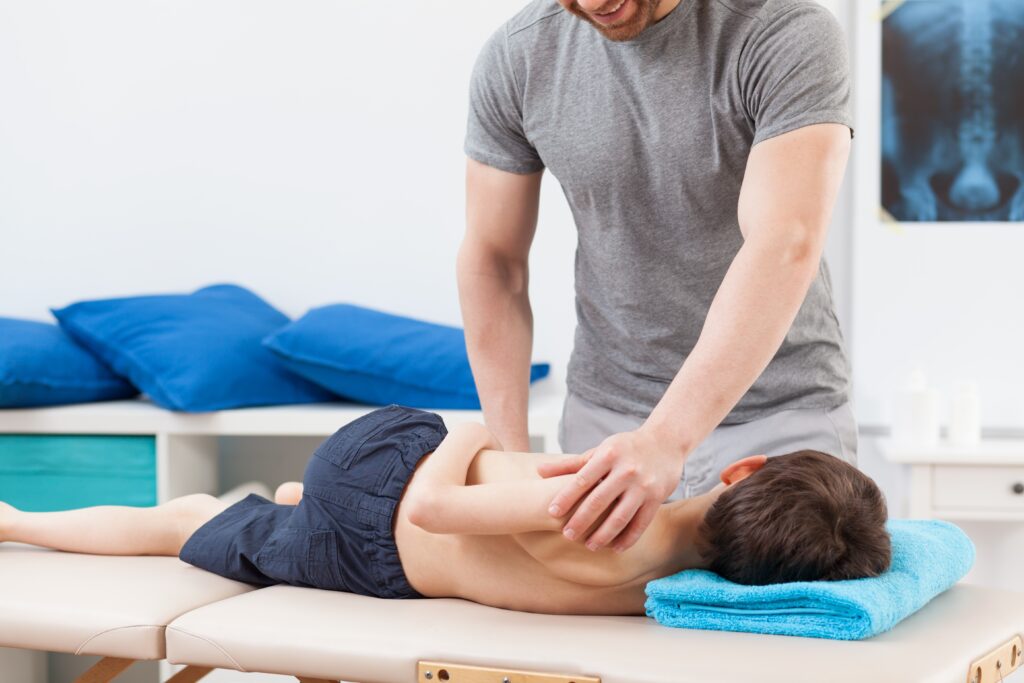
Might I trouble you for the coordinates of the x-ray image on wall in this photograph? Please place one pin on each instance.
(953, 110)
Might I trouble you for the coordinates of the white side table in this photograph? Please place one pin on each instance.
(983, 482)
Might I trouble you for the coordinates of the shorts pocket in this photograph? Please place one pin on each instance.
(301, 557)
(322, 560)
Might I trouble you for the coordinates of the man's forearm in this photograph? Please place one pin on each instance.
(747, 322)
(784, 209)
(499, 338)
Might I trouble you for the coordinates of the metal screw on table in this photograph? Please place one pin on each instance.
(506, 679)
(1018, 488)
(428, 675)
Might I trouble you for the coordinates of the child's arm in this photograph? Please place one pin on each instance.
(450, 463)
(443, 504)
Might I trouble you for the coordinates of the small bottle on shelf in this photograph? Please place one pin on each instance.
(965, 417)
(916, 419)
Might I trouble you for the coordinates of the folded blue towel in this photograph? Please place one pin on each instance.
(928, 556)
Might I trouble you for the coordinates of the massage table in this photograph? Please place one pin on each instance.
(116, 607)
(144, 608)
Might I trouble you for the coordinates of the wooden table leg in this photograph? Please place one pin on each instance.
(190, 674)
(105, 670)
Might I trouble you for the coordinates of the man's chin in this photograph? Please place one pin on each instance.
(620, 35)
(633, 26)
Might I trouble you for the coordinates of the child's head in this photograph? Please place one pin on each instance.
(804, 516)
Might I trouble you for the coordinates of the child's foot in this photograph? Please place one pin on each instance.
(6, 515)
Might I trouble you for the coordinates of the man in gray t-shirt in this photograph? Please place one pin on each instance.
(700, 145)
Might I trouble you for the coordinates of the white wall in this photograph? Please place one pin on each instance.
(310, 150)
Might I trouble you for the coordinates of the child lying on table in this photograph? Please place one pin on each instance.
(376, 516)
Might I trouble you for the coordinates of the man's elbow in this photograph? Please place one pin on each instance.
(795, 245)
(802, 249)
(478, 259)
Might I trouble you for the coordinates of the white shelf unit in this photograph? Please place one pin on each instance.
(187, 443)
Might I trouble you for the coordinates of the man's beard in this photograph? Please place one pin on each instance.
(629, 28)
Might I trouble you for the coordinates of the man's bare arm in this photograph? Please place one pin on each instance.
(784, 210)
(785, 204)
(493, 277)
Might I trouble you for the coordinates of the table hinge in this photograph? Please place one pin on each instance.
(997, 664)
(445, 672)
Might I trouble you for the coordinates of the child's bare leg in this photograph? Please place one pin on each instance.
(110, 529)
(288, 493)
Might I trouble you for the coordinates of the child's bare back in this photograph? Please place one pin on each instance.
(539, 570)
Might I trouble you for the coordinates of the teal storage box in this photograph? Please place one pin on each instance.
(41, 472)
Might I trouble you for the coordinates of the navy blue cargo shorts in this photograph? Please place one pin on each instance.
(340, 536)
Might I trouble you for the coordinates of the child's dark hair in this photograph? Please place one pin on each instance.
(804, 516)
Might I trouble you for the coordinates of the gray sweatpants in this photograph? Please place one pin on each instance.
(585, 425)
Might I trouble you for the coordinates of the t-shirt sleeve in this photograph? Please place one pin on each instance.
(795, 72)
(494, 133)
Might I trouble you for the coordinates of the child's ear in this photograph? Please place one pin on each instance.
(741, 469)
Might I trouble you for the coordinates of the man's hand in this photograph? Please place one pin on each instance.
(629, 475)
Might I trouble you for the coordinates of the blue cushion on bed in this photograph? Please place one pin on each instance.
(193, 352)
(379, 358)
(40, 365)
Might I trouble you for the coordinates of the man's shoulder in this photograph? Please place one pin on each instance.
(537, 16)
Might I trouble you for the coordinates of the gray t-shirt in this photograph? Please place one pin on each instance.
(649, 139)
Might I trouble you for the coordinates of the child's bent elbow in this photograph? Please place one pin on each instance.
(420, 509)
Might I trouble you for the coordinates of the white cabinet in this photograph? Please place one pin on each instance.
(984, 482)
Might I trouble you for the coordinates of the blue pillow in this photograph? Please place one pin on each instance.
(40, 365)
(192, 352)
(378, 358)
